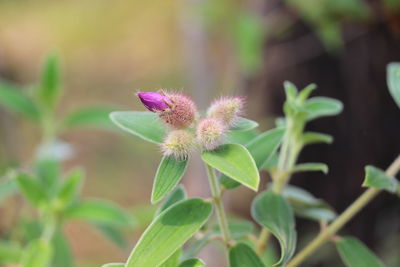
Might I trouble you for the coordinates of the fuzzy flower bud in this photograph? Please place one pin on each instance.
(178, 143)
(154, 101)
(182, 112)
(226, 109)
(210, 133)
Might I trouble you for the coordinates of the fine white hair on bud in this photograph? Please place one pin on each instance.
(210, 133)
(227, 109)
(182, 112)
(179, 144)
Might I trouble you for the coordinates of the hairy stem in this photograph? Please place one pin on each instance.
(219, 208)
(346, 216)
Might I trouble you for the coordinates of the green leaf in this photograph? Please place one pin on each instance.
(356, 254)
(271, 163)
(235, 161)
(48, 172)
(10, 252)
(168, 232)
(290, 90)
(49, 90)
(89, 117)
(305, 167)
(63, 256)
(14, 100)
(377, 178)
(275, 213)
(307, 206)
(99, 211)
(31, 189)
(242, 255)
(238, 229)
(305, 93)
(393, 81)
(169, 174)
(7, 188)
(70, 188)
(112, 233)
(193, 262)
(177, 195)
(243, 124)
(38, 254)
(241, 138)
(309, 138)
(173, 260)
(317, 107)
(146, 125)
(114, 265)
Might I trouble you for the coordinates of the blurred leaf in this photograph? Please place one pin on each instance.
(169, 174)
(70, 188)
(31, 189)
(235, 161)
(63, 256)
(146, 125)
(309, 138)
(393, 81)
(290, 90)
(305, 93)
(99, 211)
(168, 232)
(38, 254)
(304, 167)
(10, 252)
(356, 254)
(114, 265)
(238, 229)
(275, 213)
(322, 106)
(271, 163)
(89, 117)
(49, 90)
(242, 255)
(243, 124)
(241, 138)
(14, 100)
(193, 262)
(196, 245)
(173, 260)
(377, 178)
(7, 188)
(113, 234)
(48, 172)
(177, 195)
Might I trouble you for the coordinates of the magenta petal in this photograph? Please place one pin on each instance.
(154, 101)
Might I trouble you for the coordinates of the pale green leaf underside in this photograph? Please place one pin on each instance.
(377, 178)
(356, 254)
(243, 124)
(235, 161)
(242, 255)
(168, 232)
(393, 81)
(169, 173)
(145, 125)
(275, 213)
(322, 106)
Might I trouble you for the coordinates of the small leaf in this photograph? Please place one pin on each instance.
(275, 213)
(49, 90)
(112, 233)
(356, 254)
(173, 260)
(241, 138)
(48, 172)
(168, 232)
(63, 256)
(177, 195)
(15, 101)
(235, 161)
(10, 252)
(305, 93)
(99, 211)
(243, 124)
(304, 167)
(377, 178)
(114, 265)
(309, 138)
(31, 189)
(38, 254)
(242, 255)
(393, 81)
(290, 90)
(89, 117)
(169, 174)
(146, 125)
(193, 262)
(70, 189)
(317, 107)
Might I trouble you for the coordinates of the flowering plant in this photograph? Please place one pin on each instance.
(234, 152)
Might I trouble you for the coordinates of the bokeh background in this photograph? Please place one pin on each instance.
(209, 48)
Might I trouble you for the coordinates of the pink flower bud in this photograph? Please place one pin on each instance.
(178, 143)
(226, 109)
(182, 112)
(154, 101)
(210, 133)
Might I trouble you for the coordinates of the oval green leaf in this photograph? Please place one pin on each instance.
(356, 254)
(393, 81)
(235, 161)
(177, 195)
(317, 107)
(169, 173)
(377, 178)
(243, 124)
(242, 255)
(145, 125)
(275, 213)
(168, 232)
(31, 189)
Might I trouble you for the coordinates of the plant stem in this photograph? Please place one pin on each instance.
(262, 241)
(219, 208)
(347, 215)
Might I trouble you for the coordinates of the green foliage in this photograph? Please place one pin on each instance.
(356, 254)
(393, 81)
(377, 178)
(38, 254)
(177, 195)
(31, 189)
(193, 262)
(317, 107)
(243, 124)
(169, 173)
(304, 167)
(89, 117)
(234, 161)
(10, 252)
(243, 255)
(275, 213)
(114, 265)
(238, 228)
